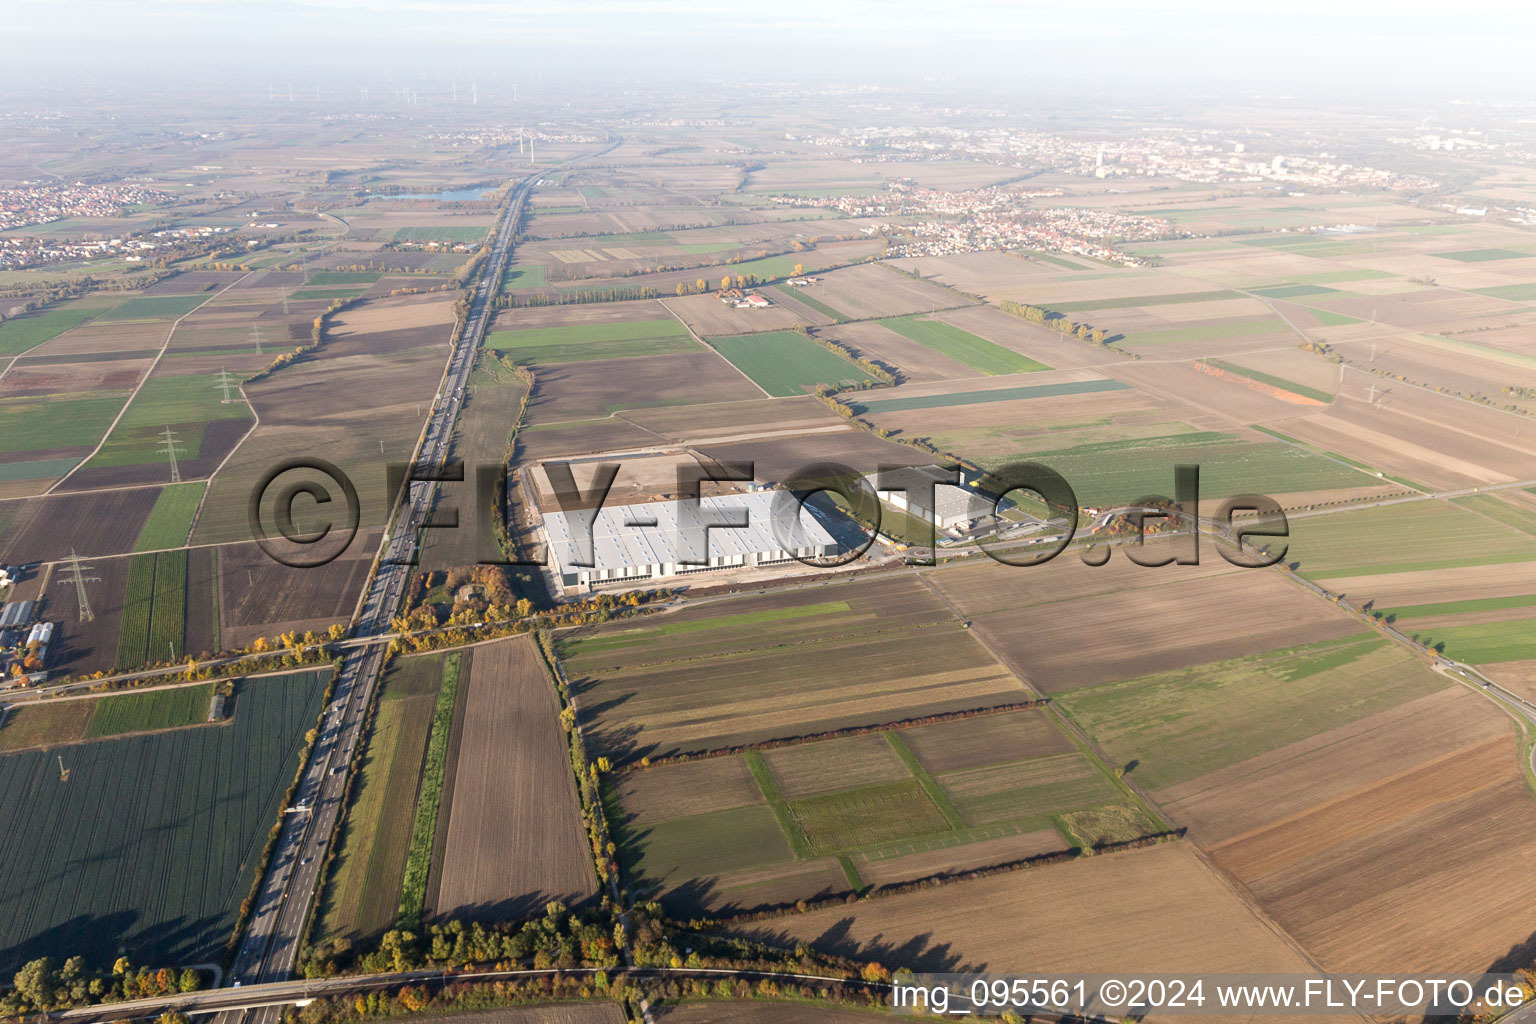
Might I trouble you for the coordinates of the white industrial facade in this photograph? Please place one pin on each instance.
(775, 531)
(908, 490)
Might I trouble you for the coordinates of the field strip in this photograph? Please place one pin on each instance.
(145, 378)
(765, 434)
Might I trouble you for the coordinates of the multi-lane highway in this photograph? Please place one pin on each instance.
(270, 946)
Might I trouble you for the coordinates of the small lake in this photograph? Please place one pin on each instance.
(458, 195)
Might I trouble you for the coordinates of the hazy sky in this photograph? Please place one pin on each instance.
(1307, 46)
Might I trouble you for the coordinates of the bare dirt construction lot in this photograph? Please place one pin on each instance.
(515, 838)
(1064, 624)
(1159, 908)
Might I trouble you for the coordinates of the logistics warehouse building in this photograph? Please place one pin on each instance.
(676, 538)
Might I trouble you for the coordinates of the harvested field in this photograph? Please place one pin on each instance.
(573, 391)
(885, 650)
(879, 291)
(1065, 625)
(1169, 725)
(575, 343)
(47, 529)
(707, 316)
(871, 340)
(262, 597)
(1406, 874)
(358, 402)
(852, 763)
(1007, 849)
(1159, 908)
(991, 739)
(515, 838)
(694, 787)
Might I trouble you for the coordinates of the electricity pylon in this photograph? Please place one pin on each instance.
(77, 576)
(169, 448)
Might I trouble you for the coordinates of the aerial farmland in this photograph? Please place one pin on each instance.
(590, 543)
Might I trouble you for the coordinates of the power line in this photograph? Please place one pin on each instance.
(169, 448)
(256, 333)
(76, 574)
(225, 380)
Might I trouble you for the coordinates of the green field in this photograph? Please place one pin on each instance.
(1182, 724)
(152, 843)
(441, 233)
(362, 895)
(962, 346)
(1403, 538)
(1473, 604)
(1055, 261)
(1090, 305)
(1112, 473)
(146, 712)
(1520, 517)
(1291, 291)
(528, 276)
(1328, 318)
(1273, 381)
(580, 342)
(185, 403)
(38, 424)
(785, 363)
(1514, 292)
(1484, 643)
(1076, 387)
(153, 626)
(23, 333)
(592, 192)
(307, 294)
(170, 520)
(154, 307)
(1482, 255)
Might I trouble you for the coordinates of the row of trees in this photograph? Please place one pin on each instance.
(1055, 321)
(46, 984)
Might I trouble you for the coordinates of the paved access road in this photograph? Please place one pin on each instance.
(269, 948)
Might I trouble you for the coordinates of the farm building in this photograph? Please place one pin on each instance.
(677, 543)
(913, 491)
(16, 613)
